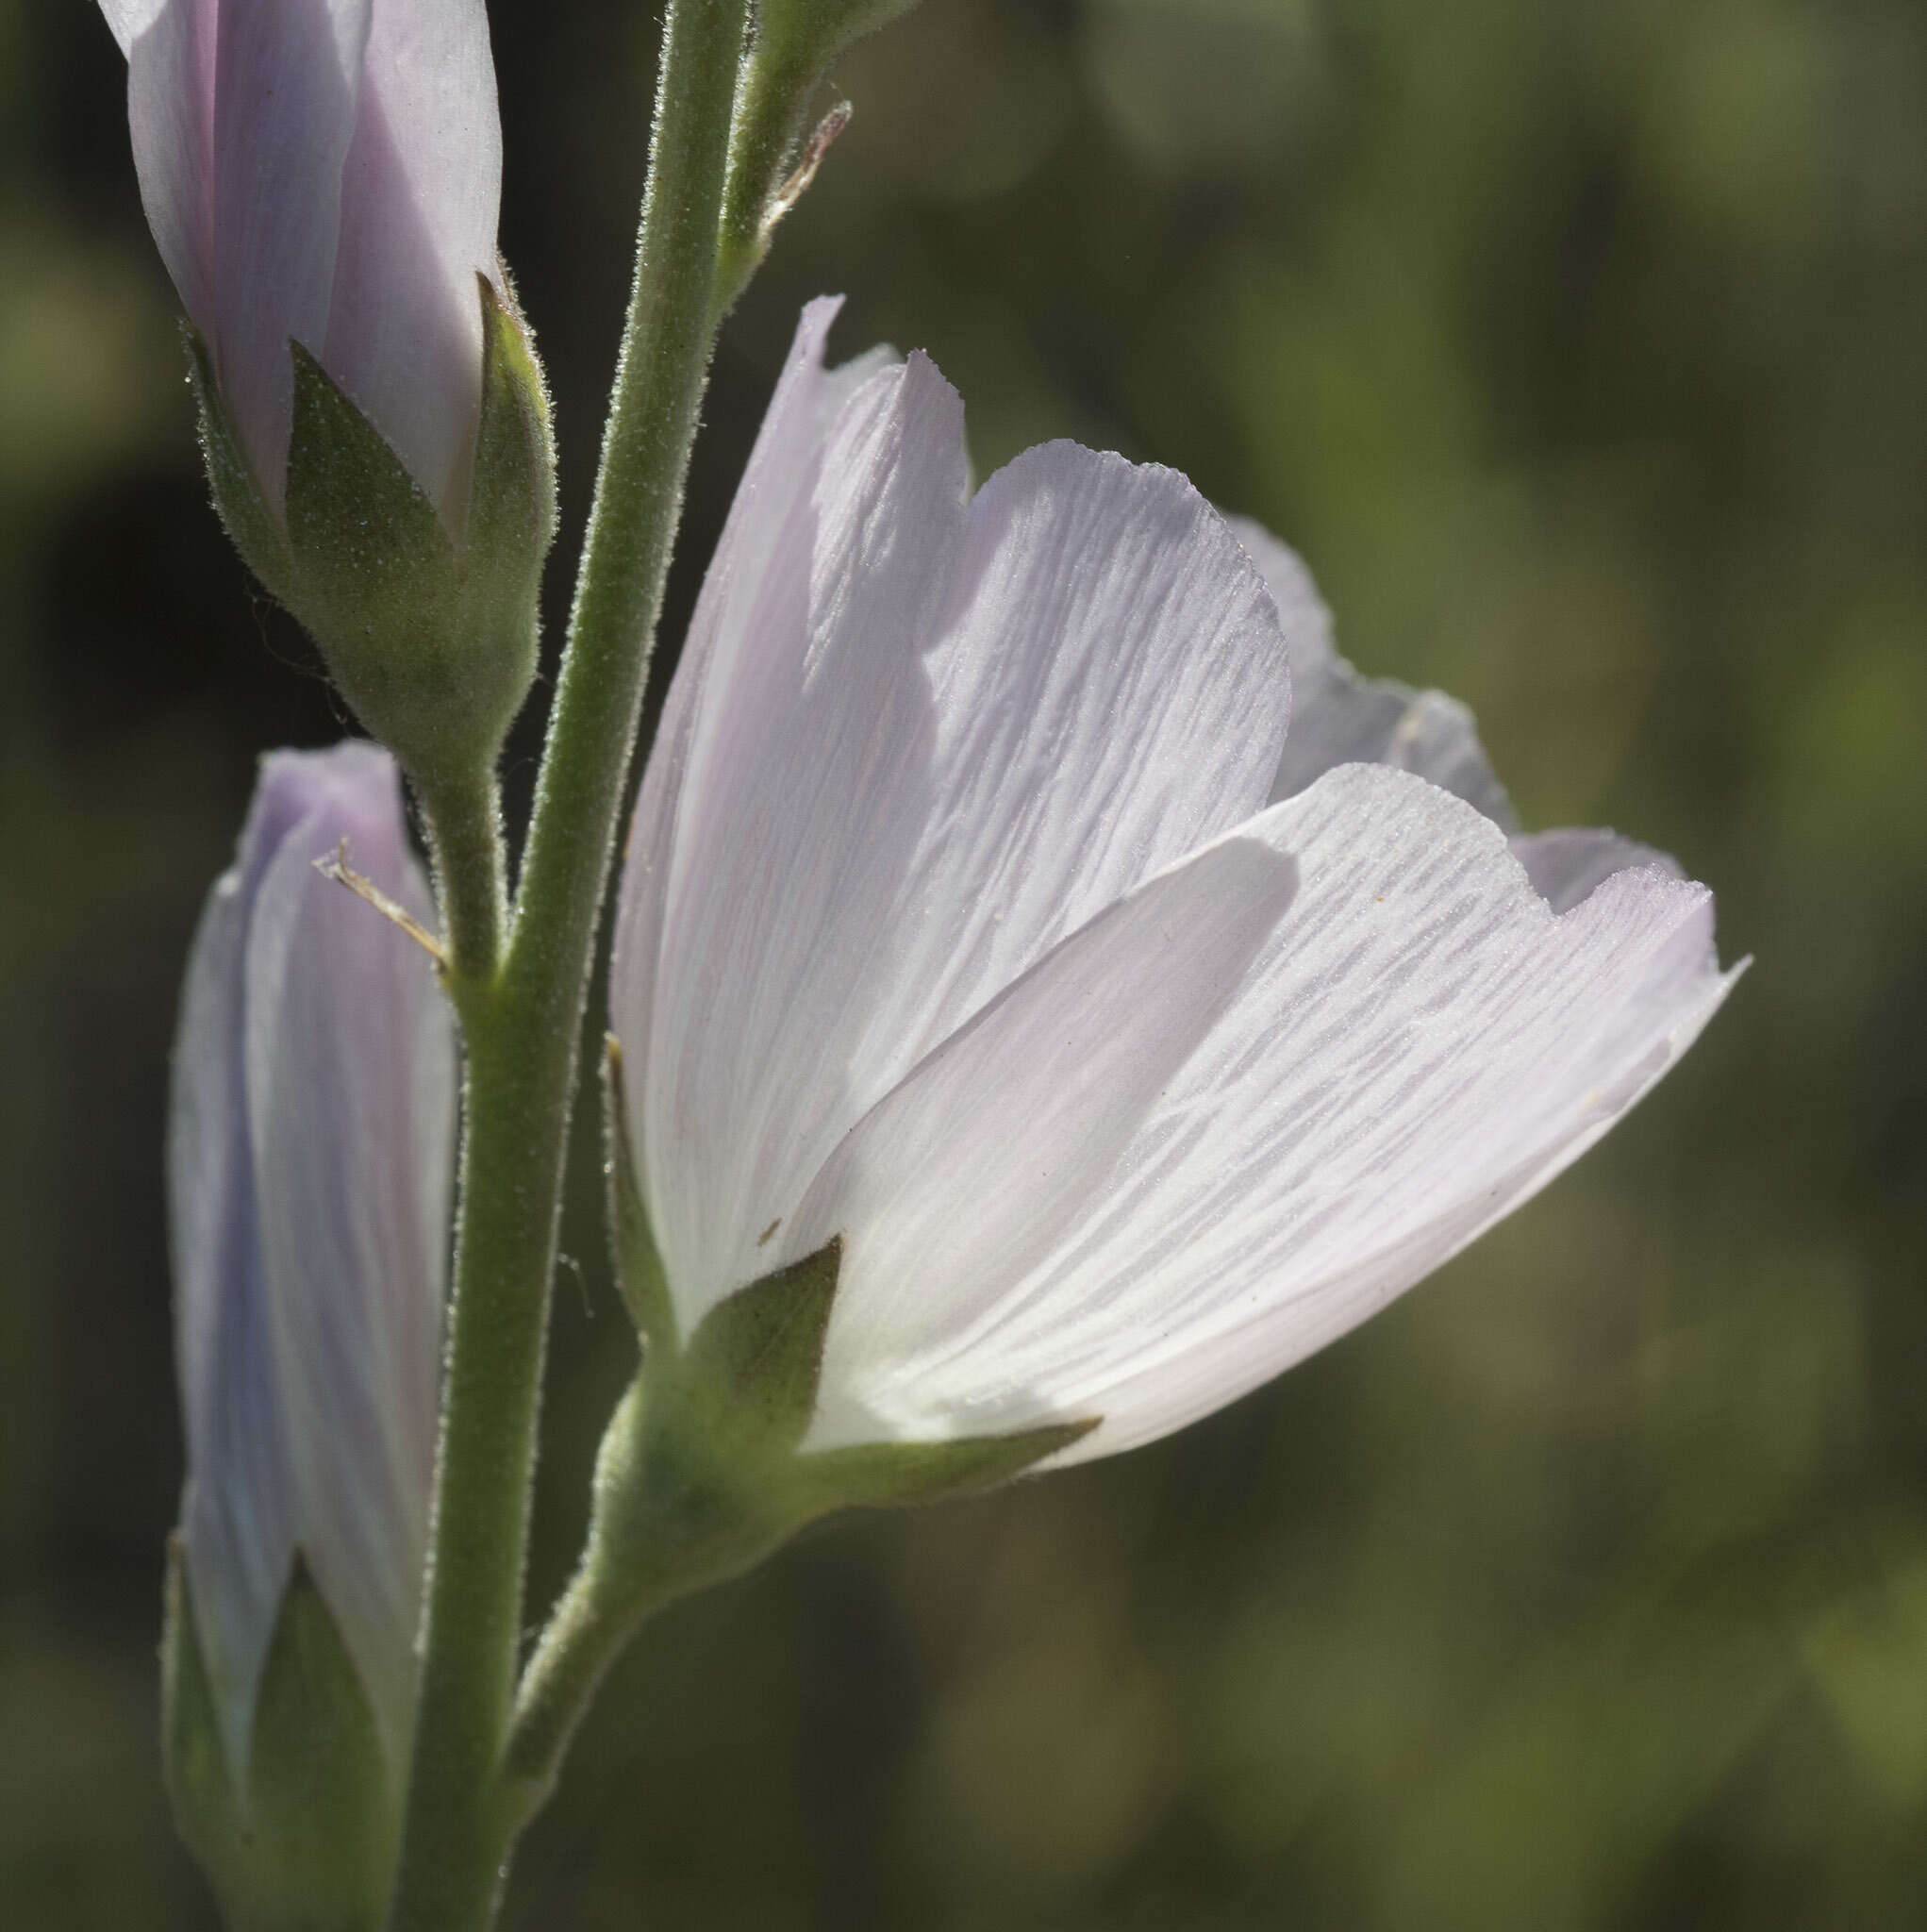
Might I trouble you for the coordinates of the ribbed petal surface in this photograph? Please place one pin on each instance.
(956, 923)
(170, 45)
(310, 1161)
(419, 192)
(930, 735)
(1420, 1044)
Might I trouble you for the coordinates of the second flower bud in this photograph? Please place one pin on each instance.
(324, 180)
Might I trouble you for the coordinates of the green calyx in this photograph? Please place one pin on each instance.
(703, 1470)
(430, 632)
(303, 1839)
(703, 1473)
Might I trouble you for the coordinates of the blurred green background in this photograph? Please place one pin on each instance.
(1582, 348)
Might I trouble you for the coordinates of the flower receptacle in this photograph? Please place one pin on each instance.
(427, 618)
(703, 1470)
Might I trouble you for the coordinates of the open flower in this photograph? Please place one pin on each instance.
(327, 173)
(980, 911)
(309, 1163)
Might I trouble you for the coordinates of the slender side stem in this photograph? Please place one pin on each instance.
(590, 1628)
(603, 1606)
(522, 1031)
(667, 1519)
(465, 833)
(768, 124)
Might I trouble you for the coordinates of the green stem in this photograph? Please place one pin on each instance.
(660, 381)
(523, 1028)
(589, 1629)
(584, 1634)
(769, 127)
(464, 823)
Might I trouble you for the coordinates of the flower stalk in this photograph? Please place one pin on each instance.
(522, 1024)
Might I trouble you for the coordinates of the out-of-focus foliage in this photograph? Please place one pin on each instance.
(1583, 349)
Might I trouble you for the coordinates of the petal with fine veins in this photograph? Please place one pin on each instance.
(1567, 866)
(963, 1178)
(770, 517)
(1421, 1045)
(933, 735)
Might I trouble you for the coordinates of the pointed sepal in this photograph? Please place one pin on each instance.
(301, 1837)
(639, 1277)
(753, 1365)
(193, 1761)
(353, 510)
(702, 1471)
(374, 579)
(886, 1476)
(511, 515)
(251, 525)
(322, 1801)
(427, 617)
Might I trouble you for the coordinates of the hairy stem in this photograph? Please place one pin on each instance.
(465, 837)
(523, 1028)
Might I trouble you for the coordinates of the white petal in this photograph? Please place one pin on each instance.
(1567, 865)
(1421, 1044)
(129, 19)
(350, 1066)
(237, 1510)
(287, 88)
(420, 194)
(311, 1145)
(1339, 717)
(962, 1178)
(933, 736)
(240, 1510)
(770, 512)
(171, 54)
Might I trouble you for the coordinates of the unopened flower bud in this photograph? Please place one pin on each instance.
(324, 178)
(311, 1156)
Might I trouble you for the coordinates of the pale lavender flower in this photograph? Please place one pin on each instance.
(326, 172)
(310, 1164)
(980, 910)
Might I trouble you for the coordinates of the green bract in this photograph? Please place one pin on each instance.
(302, 1839)
(430, 632)
(703, 1470)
